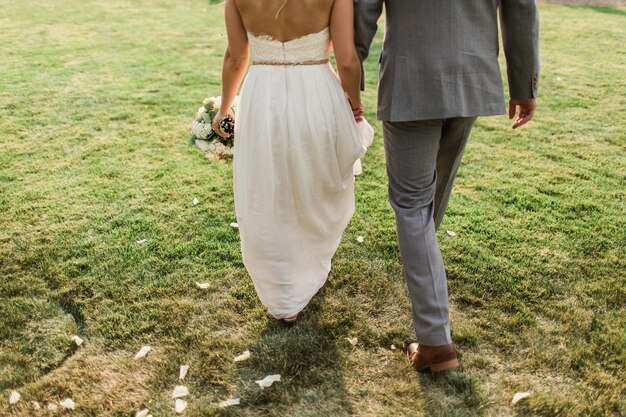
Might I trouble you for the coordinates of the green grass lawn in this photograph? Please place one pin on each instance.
(96, 101)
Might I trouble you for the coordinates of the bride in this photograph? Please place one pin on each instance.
(296, 140)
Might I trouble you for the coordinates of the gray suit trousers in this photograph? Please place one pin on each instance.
(422, 160)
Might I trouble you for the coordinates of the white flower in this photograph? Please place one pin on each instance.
(210, 100)
(196, 201)
(219, 150)
(218, 147)
(201, 130)
(360, 239)
(195, 129)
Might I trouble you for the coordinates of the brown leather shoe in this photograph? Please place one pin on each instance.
(432, 358)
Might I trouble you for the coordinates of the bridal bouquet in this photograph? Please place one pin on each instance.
(203, 134)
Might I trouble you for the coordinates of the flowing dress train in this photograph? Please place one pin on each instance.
(296, 143)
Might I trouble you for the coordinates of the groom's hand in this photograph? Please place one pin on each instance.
(358, 113)
(526, 111)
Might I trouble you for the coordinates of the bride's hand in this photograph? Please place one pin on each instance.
(216, 122)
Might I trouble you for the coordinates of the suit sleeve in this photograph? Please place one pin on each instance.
(519, 21)
(366, 14)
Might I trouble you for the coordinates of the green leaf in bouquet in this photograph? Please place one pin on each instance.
(211, 136)
(207, 118)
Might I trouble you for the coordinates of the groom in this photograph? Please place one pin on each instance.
(439, 72)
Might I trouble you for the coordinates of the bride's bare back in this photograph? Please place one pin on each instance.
(297, 18)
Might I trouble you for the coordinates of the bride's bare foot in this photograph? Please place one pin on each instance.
(290, 320)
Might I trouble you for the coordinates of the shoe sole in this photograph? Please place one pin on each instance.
(441, 366)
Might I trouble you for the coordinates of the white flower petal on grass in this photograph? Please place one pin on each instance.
(196, 201)
(228, 403)
(244, 356)
(180, 391)
(52, 407)
(142, 413)
(268, 381)
(203, 285)
(353, 340)
(451, 233)
(519, 397)
(36, 405)
(14, 397)
(183, 372)
(142, 241)
(360, 239)
(77, 340)
(234, 225)
(143, 352)
(68, 404)
(180, 405)
(393, 347)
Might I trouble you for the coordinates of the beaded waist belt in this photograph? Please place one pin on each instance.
(291, 64)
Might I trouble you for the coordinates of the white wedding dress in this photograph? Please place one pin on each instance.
(296, 143)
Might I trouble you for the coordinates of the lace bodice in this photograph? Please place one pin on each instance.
(308, 48)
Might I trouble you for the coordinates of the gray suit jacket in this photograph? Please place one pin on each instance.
(440, 57)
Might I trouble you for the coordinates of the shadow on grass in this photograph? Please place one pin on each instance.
(307, 358)
(452, 393)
